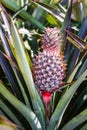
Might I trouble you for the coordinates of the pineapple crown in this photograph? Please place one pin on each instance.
(52, 39)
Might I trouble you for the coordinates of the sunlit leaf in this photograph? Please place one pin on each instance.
(5, 124)
(51, 20)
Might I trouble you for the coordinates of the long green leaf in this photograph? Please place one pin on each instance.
(60, 16)
(23, 14)
(23, 91)
(7, 49)
(6, 21)
(76, 40)
(64, 101)
(23, 109)
(70, 79)
(10, 114)
(9, 74)
(66, 23)
(76, 121)
(78, 12)
(67, 18)
(27, 75)
(13, 78)
(5, 43)
(40, 14)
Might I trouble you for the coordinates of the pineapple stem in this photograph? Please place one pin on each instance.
(47, 96)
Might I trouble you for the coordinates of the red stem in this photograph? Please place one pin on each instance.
(47, 96)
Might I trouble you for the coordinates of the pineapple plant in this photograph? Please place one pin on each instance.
(43, 87)
(49, 67)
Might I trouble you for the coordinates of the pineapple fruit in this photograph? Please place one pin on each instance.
(49, 66)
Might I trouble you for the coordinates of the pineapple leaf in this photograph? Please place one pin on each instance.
(70, 79)
(75, 40)
(23, 14)
(12, 116)
(82, 68)
(79, 102)
(57, 14)
(23, 109)
(64, 101)
(77, 10)
(66, 23)
(10, 74)
(40, 14)
(83, 29)
(51, 19)
(6, 20)
(67, 18)
(76, 121)
(26, 72)
(5, 43)
(84, 127)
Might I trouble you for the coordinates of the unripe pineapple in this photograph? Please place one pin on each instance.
(49, 67)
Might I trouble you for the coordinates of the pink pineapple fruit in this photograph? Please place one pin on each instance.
(49, 66)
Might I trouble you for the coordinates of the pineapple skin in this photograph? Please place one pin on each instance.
(49, 71)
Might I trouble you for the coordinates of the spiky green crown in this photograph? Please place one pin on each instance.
(49, 67)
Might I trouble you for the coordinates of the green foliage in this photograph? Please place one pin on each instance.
(20, 99)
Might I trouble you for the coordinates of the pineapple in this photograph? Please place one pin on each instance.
(49, 66)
